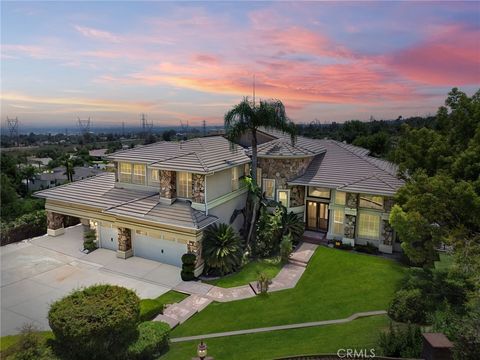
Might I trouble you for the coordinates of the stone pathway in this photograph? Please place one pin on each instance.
(280, 327)
(203, 294)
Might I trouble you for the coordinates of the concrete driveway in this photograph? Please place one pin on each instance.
(36, 272)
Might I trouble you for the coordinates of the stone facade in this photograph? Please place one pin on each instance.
(168, 184)
(297, 195)
(54, 220)
(388, 203)
(349, 226)
(387, 233)
(124, 239)
(198, 188)
(351, 200)
(284, 170)
(195, 247)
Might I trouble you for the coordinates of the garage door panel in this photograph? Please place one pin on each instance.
(168, 252)
(108, 237)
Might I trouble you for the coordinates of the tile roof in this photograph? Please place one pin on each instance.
(99, 192)
(349, 168)
(199, 155)
(282, 146)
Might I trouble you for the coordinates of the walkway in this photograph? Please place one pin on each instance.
(280, 327)
(203, 294)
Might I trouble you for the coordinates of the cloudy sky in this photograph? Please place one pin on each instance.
(331, 61)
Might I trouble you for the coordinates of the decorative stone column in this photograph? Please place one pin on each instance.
(297, 195)
(168, 186)
(55, 223)
(386, 239)
(195, 247)
(351, 205)
(198, 188)
(351, 200)
(124, 243)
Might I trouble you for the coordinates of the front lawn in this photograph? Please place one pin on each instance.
(335, 285)
(359, 334)
(249, 273)
(10, 340)
(149, 308)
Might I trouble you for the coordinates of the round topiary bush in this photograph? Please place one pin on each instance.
(188, 266)
(409, 306)
(98, 322)
(189, 258)
(152, 341)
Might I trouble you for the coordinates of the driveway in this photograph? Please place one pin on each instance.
(36, 272)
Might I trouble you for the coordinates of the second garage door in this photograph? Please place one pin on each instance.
(108, 237)
(165, 251)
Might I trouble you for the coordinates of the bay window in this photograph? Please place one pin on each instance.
(369, 226)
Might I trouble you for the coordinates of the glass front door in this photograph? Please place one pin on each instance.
(317, 216)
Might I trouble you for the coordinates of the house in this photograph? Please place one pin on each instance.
(162, 196)
(98, 154)
(38, 162)
(57, 176)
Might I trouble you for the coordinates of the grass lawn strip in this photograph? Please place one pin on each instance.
(248, 273)
(149, 308)
(335, 285)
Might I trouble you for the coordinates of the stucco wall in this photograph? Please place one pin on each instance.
(224, 211)
(219, 184)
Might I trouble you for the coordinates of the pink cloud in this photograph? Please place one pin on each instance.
(97, 34)
(450, 56)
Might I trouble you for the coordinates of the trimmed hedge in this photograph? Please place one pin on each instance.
(188, 267)
(152, 341)
(24, 227)
(98, 322)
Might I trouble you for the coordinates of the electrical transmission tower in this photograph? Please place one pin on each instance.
(204, 125)
(12, 125)
(146, 126)
(84, 126)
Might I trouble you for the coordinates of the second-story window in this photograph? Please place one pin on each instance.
(154, 176)
(139, 174)
(125, 173)
(184, 185)
(268, 187)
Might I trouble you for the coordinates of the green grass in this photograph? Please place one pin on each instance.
(249, 273)
(149, 308)
(10, 340)
(360, 334)
(445, 262)
(335, 285)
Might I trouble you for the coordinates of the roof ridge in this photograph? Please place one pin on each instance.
(205, 167)
(129, 202)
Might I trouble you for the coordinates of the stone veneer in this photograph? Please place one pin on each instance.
(351, 200)
(198, 188)
(194, 247)
(349, 226)
(124, 243)
(168, 184)
(388, 204)
(54, 220)
(284, 170)
(387, 233)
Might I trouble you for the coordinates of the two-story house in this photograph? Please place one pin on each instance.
(163, 195)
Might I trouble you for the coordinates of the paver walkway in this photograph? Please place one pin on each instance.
(203, 294)
(280, 327)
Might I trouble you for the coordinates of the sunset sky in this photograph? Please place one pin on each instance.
(331, 61)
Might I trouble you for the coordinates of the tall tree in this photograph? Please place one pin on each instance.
(247, 118)
(29, 174)
(69, 169)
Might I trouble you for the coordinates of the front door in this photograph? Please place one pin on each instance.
(317, 216)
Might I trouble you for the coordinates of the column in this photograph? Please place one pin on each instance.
(351, 205)
(55, 223)
(168, 186)
(124, 243)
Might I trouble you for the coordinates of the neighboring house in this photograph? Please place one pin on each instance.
(38, 162)
(163, 195)
(98, 154)
(57, 176)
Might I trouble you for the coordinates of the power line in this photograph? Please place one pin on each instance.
(13, 129)
(84, 125)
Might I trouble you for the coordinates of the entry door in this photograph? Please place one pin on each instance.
(317, 216)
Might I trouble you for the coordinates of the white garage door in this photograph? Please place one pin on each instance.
(165, 251)
(108, 237)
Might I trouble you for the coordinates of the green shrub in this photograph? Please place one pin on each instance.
(152, 341)
(30, 346)
(24, 227)
(89, 238)
(408, 306)
(286, 247)
(269, 233)
(294, 226)
(188, 266)
(95, 323)
(402, 341)
(263, 281)
(369, 248)
(221, 249)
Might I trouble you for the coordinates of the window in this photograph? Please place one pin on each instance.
(125, 172)
(319, 192)
(340, 197)
(268, 186)
(154, 176)
(369, 226)
(259, 176)
(184, 185)
(235, 180)
(139, 174)
(371, 201)
(283, 196)
(338, 217)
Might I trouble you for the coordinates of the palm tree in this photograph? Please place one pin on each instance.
(69, 169)
(29, 174)
(247, 118)
(221, 248)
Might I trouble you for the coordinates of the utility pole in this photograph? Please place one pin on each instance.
(13, 130)
(84, 125)
(204, 123)
(146, 126)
